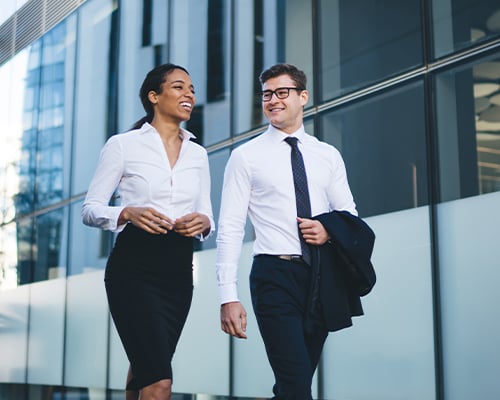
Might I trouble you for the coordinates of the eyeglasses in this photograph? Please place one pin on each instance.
(281, 93)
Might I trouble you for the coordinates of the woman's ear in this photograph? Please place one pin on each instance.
(153, 97)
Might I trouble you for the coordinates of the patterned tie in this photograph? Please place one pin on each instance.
(301, 192)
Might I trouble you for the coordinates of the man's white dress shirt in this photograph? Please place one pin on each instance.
(258, 180)
(135, 164)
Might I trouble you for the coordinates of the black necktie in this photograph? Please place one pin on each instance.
(301, 192)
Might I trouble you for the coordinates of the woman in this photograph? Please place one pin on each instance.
(163, 181)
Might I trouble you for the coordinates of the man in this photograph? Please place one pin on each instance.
(259, 180)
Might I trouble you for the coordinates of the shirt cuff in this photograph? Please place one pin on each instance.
(113, 219)
(228, 293)
(202, 237)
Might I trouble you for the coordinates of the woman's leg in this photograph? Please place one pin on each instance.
(161, 390)
(131, 394)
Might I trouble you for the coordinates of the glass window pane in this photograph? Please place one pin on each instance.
(36, 251)
(15, 144)
(50, 239)
(468, 127)
(268, 32)
(468, 232)
(383, 143)
(368, 40)
(90, 247)
(205, 54)
(459, 24)
(35, 118)
(8, 256)
(209, 63)
(217, 161)
(92, 93)
(391, 348)
(25, 261)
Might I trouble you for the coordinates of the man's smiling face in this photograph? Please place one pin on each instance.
(284, 114)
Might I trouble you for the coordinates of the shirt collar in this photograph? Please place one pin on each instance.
(280, 136)
(184, 133)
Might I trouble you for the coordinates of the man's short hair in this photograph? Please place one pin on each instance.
(298, 76)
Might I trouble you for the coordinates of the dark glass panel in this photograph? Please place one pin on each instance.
(468, 128)
(39, 243)
(25, 251)
(366, 41)
(383, 143)
(50, 257)
(460, 24)
(215, 48)
(147, 17)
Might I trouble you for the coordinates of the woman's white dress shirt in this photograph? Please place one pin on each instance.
(258, 180)
(135, 164)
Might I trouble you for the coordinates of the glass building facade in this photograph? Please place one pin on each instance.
(407, 90)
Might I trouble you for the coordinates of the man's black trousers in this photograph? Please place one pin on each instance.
(279, 290)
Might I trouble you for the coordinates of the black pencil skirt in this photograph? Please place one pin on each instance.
(149, 284)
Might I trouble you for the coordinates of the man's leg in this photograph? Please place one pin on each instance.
(279, 296)
(314, 344)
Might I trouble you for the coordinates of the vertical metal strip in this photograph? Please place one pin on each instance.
(316, 56)
(68, 251)
(433, 190)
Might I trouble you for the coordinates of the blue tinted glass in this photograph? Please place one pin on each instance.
(468, 128)
(383, 143)
(368, 41)
(459, 24)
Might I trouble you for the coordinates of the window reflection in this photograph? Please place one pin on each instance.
(368, 40)
(8, 256)
(269, 32)
(468, 123)
(49, 254)
(25, 256)
(40, 251)
(41, 163)
(12, 78)
(31, 166)
(458, 24)
(487, 116)
(383, 143)
(40, 167)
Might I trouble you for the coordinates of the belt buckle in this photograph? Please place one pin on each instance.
(291, 257)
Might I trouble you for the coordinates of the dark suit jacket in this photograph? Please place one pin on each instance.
(342, 270)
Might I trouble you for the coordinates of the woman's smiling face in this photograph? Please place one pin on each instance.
(177, 97)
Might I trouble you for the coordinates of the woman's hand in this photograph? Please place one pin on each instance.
(192, 224)
(147, 219)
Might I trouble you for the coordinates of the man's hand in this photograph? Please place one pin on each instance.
(313, 231)
(192, 224)
(147, 219)
(233, 318)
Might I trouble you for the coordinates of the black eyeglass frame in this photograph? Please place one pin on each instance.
(270, 93)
